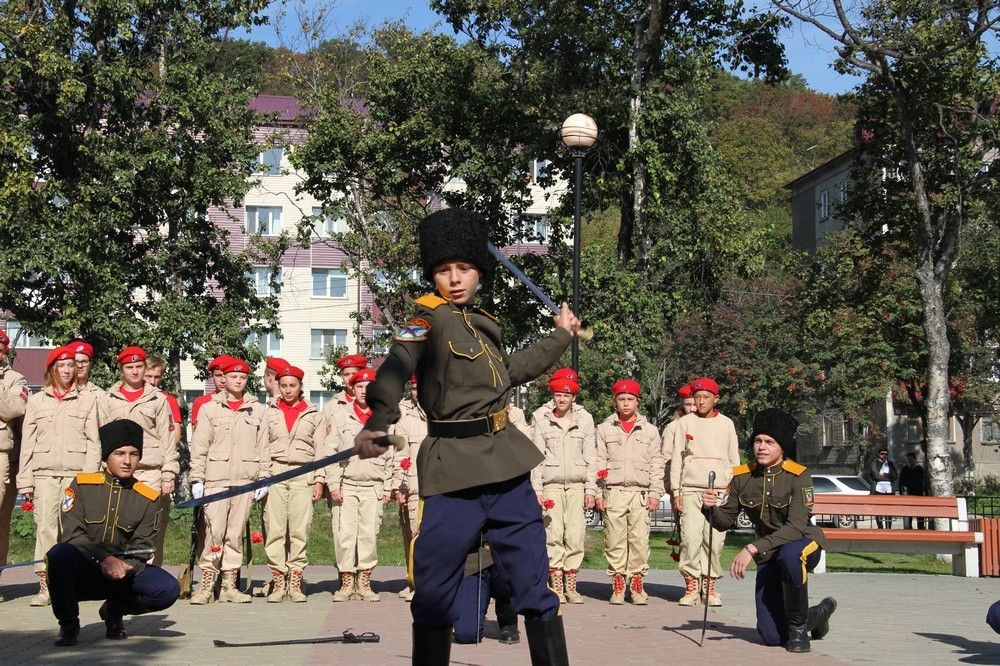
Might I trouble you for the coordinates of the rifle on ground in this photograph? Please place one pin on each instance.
(188, 571)
(346, 637)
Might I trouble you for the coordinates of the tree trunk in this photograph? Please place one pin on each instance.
(625, 229)
(636, 158)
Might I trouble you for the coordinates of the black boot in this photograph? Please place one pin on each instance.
(546, 641)
(796, 613)
(507, 619)
(68, 633)
(113, 623)
(432, 647)
(819, 617)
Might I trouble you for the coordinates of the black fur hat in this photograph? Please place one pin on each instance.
(117, 434)
(779, 425)
(451, 234)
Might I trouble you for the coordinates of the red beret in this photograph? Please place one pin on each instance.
(626, 386)
(81, 347)
(362, 375)
(131, 354)
(563, 386)
(289, 371)
(235, 365)
(704, 384)
(217, 362)
(684, 391)
(277, 364)
(352, 361)
(565, 373)
(413, 379)
(4, 340)
(59, 354)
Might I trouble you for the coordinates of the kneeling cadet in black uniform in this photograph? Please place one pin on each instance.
(777, 494)
(109, 521)
(473, 469)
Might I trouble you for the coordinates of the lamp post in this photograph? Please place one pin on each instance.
(578, 133)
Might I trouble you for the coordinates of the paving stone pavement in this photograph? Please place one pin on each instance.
(881, 619)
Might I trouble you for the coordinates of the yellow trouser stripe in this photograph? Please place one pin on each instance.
(810, 548)
(413, 542)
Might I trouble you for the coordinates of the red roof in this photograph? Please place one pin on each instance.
(287, 110)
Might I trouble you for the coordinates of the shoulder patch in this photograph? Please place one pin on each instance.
(793, 467)
(90, 478)
(742, 469)
(431, 301)
(415, 330)
(808, 499)
(69, 499)
(146, 491)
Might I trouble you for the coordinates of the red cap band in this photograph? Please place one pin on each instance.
(362, 375)
(131, 354)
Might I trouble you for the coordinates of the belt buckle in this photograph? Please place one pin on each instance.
(498, 420)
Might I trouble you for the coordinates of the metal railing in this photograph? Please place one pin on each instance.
(982, 506)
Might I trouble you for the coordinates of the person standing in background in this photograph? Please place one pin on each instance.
(13, 400)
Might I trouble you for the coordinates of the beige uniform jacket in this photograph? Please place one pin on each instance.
(668, 453)
(379, 472)
(519, 420)
(298, 446)
(700, 446)
(59, 437)
(412, 425)
(569, 446)
(11, 406)
(334, 405)
(229, 447)
(90, 387)
(634, 461)
(152, 413)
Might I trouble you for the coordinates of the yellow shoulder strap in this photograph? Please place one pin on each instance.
(146, 491)
(431, 301)
(793, 467)
(482, 311)
(90, 478)
(742, 469)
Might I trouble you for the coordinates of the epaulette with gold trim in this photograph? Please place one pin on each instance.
(743, 469)
(146, 491)
(90, 478)
(431, 301)
(793, 467)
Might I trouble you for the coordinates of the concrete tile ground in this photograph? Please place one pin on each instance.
(882, 619)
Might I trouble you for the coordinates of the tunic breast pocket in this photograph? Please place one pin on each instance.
(468, 364)
(73, 435)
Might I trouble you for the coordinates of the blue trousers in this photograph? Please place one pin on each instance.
(473, 600)
(73, 577)
(790, 564)
(993, 617)
(509, 518)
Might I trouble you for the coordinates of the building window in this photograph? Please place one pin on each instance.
(260, 277)
(534, 228)
(329, 225)
(264, 220)
(914, 430)
(844, 185)
(321, 339)
(268, 343)
(824, 205)
(320, 398)
(990, 430)
(539, 169)
(329, 283)
(26, 340)
(381, 339)
(834, 428)
(269, 161)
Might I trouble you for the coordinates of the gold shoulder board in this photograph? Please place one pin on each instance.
(90, 478)
(146, 491)
(793, 467)
(431, 301)
(741, 469)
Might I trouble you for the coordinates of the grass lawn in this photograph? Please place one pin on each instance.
(390, 548)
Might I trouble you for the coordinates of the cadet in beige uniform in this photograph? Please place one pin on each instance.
(361, 487)
(83, 353)
(292, 423)
(704, 442)
(133, 399)
(567, 479)
(412, 425)
(630, 468)
(230, 448)
(13, 398)
(59, 441)
(686, 407)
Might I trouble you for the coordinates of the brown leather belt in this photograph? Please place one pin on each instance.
(495, 422)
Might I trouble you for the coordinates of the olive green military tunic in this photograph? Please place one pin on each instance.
(463, 373)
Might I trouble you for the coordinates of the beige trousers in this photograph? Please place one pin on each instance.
(225, 522)
(694, 539)
(8, 493)
(49, 493)
(626, 532)
(288, 514)
(565, 527)
(360, 520)
(154, 479)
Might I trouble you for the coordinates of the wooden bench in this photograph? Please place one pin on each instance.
(959, 541)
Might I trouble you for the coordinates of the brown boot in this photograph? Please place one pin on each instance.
(713, 597)
(42, 598)
(346, 590)
(206, 591)
(277, 587)
(556, 584)
(295, 593)
(691, 596)
(639, 596)
(572, 596)
(617, 589)
(365, 591)
(229, 591)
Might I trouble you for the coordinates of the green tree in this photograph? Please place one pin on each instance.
(117, 139)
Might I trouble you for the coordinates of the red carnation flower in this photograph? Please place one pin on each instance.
(27, 505)
(405, 463)
(256, 537)
(602, 474)
(549, 504)
(689, 437)
(216, 549)
(675, 556)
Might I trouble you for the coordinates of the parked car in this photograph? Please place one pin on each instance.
(839, 483)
